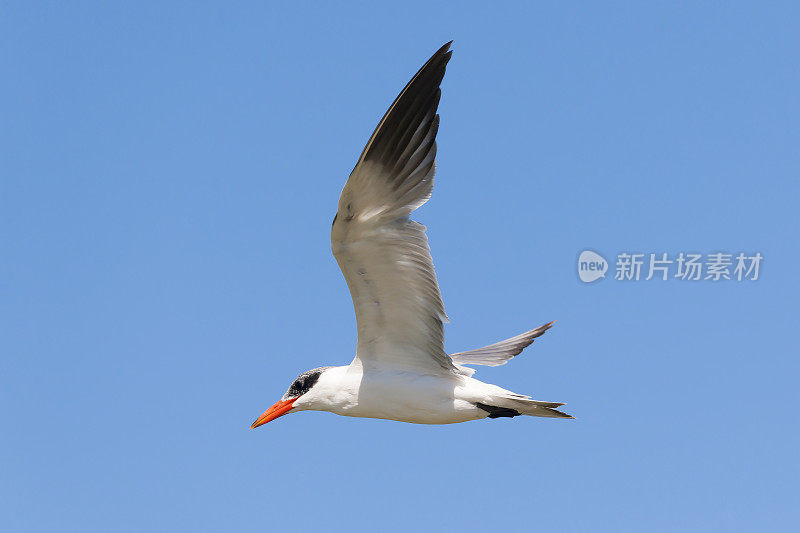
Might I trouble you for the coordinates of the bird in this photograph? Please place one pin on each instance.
(401, 370)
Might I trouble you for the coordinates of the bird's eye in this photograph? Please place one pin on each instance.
(298, 385)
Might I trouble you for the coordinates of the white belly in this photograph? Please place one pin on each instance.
(409, 397)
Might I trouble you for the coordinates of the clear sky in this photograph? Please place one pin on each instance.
(168, 177)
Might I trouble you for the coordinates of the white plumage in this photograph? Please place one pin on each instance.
(401, 370)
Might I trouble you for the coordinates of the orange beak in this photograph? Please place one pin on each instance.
(280, 408)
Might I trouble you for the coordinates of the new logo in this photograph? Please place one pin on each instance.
(591, 266)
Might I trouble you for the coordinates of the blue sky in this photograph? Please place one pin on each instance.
(168, 175)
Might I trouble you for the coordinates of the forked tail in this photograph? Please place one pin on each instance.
(509, 408)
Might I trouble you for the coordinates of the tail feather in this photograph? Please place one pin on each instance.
(549, 405)
(499, 353)
(537, 408)
(504, 406)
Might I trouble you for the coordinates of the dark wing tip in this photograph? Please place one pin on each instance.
(441, 52)
(414, 106)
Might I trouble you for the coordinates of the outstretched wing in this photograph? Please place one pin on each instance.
(501, 352)
(384, 255)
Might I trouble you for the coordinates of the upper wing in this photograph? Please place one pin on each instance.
(384, 255)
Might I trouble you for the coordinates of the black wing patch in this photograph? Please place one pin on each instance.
(407, 132)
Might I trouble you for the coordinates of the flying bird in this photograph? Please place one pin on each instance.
(401, 370)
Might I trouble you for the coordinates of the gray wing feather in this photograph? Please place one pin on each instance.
(501, 352)
(384, 255)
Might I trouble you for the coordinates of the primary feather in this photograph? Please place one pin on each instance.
(384, 255)
(499, 353)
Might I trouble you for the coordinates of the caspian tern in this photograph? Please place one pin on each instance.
(401, 370)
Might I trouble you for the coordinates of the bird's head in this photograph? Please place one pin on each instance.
(295, 399)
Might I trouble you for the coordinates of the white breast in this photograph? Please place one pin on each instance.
(396, 395)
